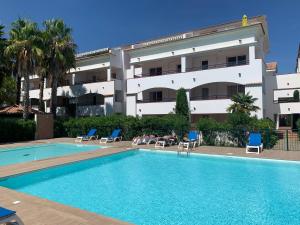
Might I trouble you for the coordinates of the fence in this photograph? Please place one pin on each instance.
(287, 139)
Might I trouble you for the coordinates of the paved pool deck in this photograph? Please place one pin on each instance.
(37, 211)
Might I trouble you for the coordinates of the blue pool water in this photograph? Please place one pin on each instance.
(146, 187)
(37, 152)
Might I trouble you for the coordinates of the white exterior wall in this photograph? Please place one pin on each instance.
(131, 109)
(256, 92)
(281, 86)
(190, 53)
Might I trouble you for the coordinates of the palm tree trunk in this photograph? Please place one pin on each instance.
(18, 94)
(53, 101)
(26, 97)
(41, 96)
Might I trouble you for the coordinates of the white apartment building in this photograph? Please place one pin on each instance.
(280, 104)
(211, 64)
(94, 88)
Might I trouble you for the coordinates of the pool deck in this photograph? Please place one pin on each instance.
(37, 211)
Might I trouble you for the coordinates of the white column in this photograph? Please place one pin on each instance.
(108, 104)
(132, 70)
(188, 96)
(277, 121)
(251, 53)
(45, 83)
(183, 64)
(108, 74)
(131, 107)
(73, 79)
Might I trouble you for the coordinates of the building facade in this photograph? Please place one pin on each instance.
(211, 64)
(94, 88)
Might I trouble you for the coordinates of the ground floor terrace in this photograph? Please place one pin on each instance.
(207, 100)
(35, 211)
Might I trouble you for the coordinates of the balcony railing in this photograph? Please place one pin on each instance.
(191, 69)
(285, 100)
(192, 98)
(210, 97)
(156, 101)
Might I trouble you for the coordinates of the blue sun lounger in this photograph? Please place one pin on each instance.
(193, 140)
(7, 216)
(115, 136)
(255, 142)
(89, 136)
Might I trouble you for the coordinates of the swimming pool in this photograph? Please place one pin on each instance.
(151, 187)
(44, 151)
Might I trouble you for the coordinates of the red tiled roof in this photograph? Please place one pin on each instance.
(17, 109)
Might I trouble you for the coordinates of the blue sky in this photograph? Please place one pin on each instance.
(109, 23)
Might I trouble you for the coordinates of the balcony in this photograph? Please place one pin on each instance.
(104, 88)
(238, 74)
(213, 106)
(191, 69)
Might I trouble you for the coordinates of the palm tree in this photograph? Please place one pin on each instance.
(2, 47)
(243, 103)
(24, 49)
(61, 54)
(43, 67)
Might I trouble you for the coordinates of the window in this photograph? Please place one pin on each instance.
(155, 71)
(94, 100)
(241, 60)
(155, 96)
(205, 93)
(234, 89)
(236, 60)
(118, 96)
(204, 65)
(179, 68)
(231, 61)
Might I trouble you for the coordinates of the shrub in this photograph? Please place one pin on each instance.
(131, 126)
(12, 130)
(182, 106)
(296, 95)
(233, 132)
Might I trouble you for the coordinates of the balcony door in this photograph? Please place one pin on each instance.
(155, 96)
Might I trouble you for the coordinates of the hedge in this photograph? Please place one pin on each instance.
(131, 126)
(12, 130)
(234, 131)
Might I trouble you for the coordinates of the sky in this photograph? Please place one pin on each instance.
(111, 23)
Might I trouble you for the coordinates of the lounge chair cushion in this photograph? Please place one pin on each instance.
(6, 212)
(254, 139)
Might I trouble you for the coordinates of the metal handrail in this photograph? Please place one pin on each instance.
(210, 97)
(285, 100)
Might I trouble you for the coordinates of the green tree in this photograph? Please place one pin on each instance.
(3, 44)
(296, 95)
(8, 91)
(182, 106)
(60, 55)
(243, 103)
(24, 49)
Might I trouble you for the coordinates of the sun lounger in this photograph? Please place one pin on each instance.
(9, 216)
(255, 142)
(192, 141)
(89, 136)
(115, 136)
